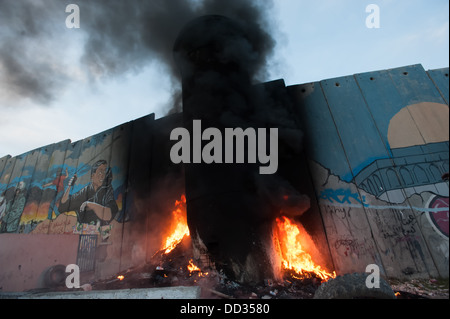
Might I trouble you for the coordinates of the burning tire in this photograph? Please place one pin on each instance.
(353, 286)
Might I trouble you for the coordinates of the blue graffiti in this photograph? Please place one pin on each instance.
(342, 196)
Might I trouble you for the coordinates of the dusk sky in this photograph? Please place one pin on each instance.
(55, 85)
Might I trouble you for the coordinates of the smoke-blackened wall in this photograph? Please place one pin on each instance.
(231, 207)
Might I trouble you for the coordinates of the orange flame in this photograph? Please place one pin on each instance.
(179, 228)
(291, 253)
(192, 267)
(121, 277)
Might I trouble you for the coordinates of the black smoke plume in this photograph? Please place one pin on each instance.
(121, 36)
(28, 66)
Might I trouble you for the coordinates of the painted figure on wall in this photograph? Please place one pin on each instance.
(94, 204)
(13, 210)
(58, 182)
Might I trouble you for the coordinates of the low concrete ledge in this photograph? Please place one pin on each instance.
(147, 293)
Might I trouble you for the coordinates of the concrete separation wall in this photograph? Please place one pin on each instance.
(110, 170)
(377, 146)
(25, 258)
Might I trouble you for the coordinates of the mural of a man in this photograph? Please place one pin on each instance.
(13, 210)
(94, 204)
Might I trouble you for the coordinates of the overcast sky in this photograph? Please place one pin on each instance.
(50, 91)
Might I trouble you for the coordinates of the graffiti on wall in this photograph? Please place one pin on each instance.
(67, 188)
(378, 144)
(342, 196)
(438, 214)
(90, 193)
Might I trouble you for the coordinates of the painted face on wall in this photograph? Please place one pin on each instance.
(99, 176)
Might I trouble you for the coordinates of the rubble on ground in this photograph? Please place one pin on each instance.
(421, 288)
(170, 270)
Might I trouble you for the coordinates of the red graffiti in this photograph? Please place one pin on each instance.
(440, 218)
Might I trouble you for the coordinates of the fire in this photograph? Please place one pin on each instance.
(292, 254)
(121, 277)
(193, 268)
(179, 228)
